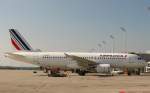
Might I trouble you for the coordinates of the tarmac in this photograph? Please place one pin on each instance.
(25, 81)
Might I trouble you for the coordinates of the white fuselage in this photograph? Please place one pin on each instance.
(59, 59)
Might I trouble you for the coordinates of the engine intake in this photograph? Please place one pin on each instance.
(103, 68)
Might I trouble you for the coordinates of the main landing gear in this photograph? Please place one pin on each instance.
(134, 71)
(81, 72)
(55, 72)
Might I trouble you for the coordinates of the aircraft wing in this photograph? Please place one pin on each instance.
(85, 63)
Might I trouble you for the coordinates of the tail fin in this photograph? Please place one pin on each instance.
(18, 41)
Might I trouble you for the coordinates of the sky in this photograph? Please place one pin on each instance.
(77, 25)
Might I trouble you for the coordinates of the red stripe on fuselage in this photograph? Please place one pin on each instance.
(15, 45)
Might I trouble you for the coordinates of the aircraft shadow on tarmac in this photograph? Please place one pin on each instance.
(98, 75)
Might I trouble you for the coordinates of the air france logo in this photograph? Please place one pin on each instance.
(114, 56)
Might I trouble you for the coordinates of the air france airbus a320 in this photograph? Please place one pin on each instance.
(83, 62)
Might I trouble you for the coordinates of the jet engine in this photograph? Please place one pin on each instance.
(103, 68)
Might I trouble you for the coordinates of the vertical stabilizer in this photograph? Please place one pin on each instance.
(18, 41)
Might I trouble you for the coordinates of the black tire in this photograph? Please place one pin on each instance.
(82, 73)
(34, 71)
(73, 70)
(77, 70)
(49, 75)
(129, 73)
(138, 72)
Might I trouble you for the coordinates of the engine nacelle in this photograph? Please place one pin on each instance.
(103, 68)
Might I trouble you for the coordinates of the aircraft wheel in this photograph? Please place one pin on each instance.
(129, 73)
(82, 73)
(34, 71)
(138, 72)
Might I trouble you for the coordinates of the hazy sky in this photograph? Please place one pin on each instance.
(76, 25)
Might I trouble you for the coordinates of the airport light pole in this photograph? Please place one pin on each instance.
(100, 47)
(92, 50)
(113, 39)
(104, 43)
(125, 38)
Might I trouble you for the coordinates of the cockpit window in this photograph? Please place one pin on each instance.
(139, 58)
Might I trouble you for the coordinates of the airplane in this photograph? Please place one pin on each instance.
(82, 62)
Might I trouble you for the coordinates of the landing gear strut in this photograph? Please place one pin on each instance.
(138, 72)
(129, 73)
(81, 72)
(55, 72)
